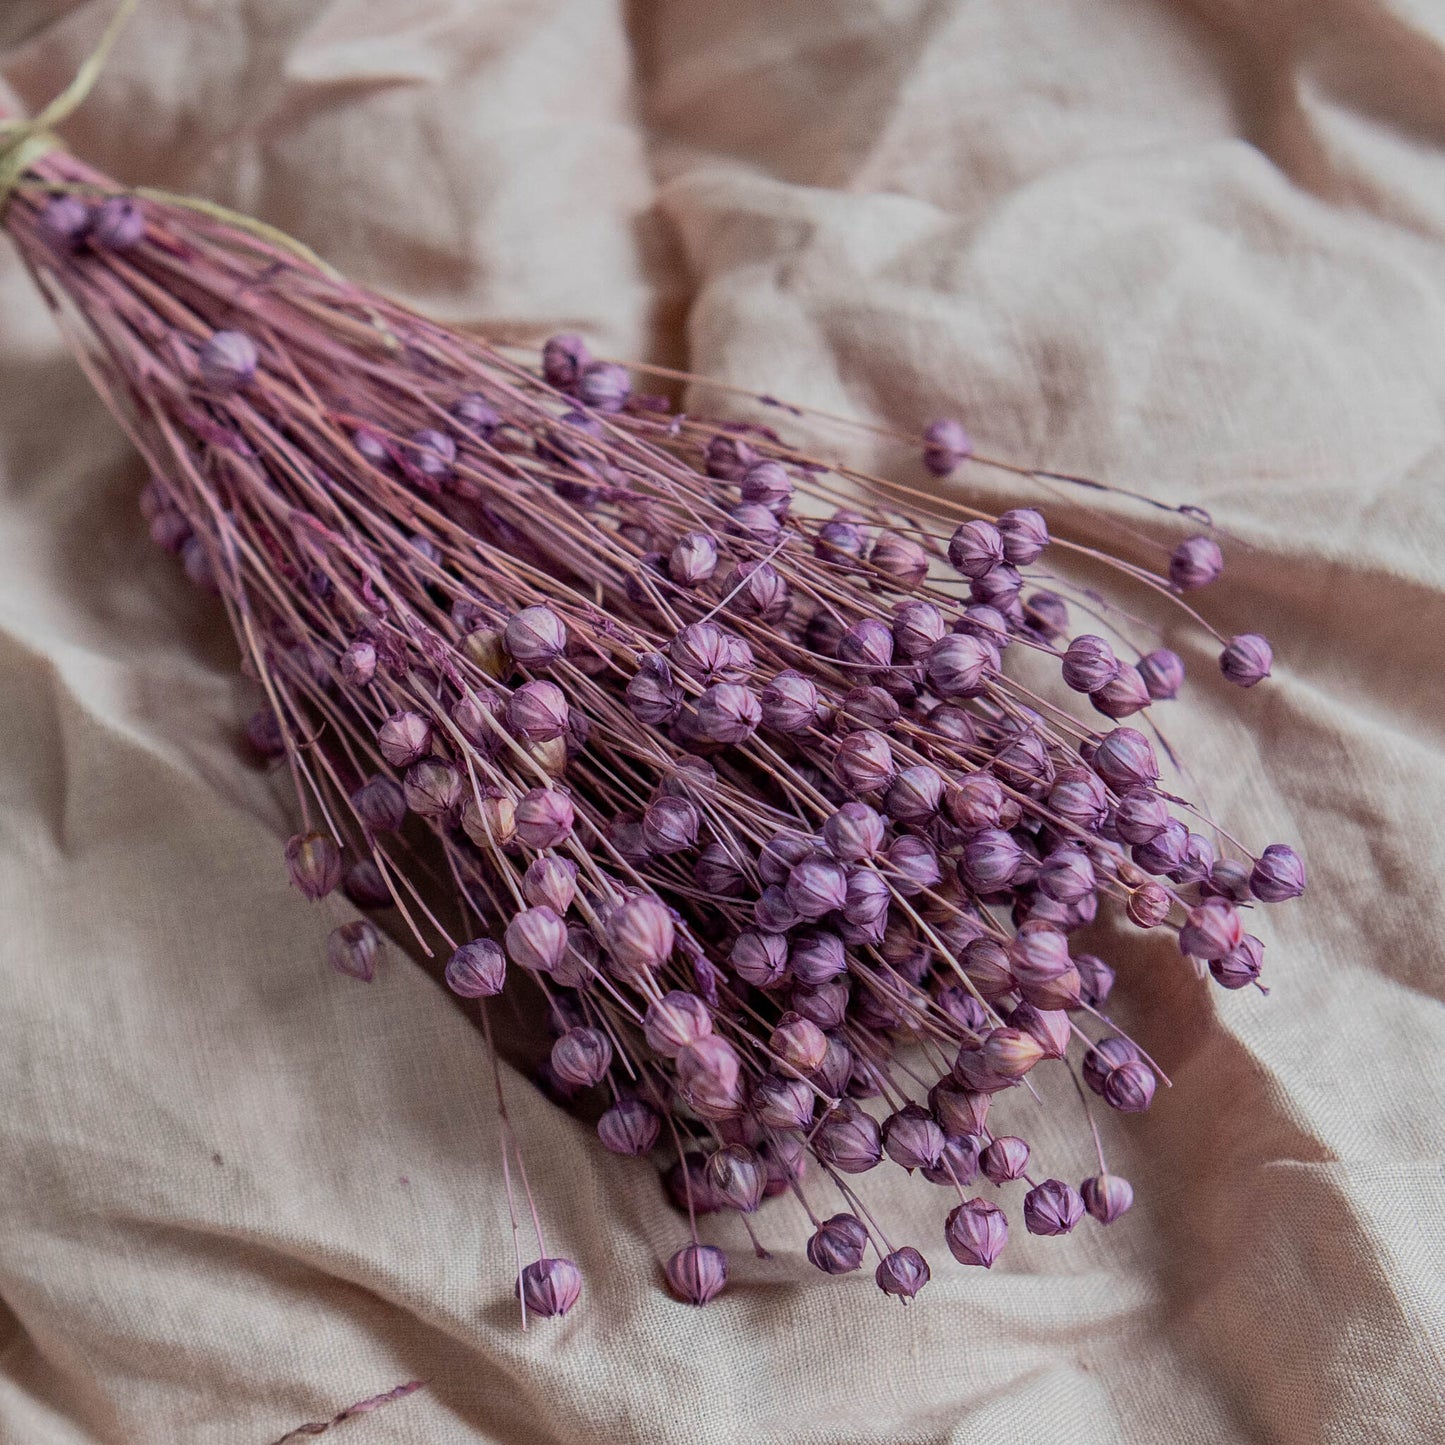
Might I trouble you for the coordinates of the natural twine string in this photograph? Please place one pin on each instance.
(23, 142)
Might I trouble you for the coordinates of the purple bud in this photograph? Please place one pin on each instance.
(693, 560)
(629, 1127)
(848, 1139)
(314, 863)
(371, 449)
(839, 1244)
(1078, 797)
(433, 453)
(1025, 535)
(1107, 1196)
(228, 361)
(1049, 1027)
(839, 540)
(737, 1177)
(1228, 878)
(990, 860)
(1105, 1056)
(652, 696)
(120, 224)
(912, 865)
(825, 1005)
(1067, 875)
(1006, 1158)
(544, 819)
(640, 934)
(946, 444)
(1123, 695)
(432, 788)
(1010, 1053)
(1247, 659)
(834, 1074)
(707, 1073)
(674, 1021)
(550, 881)
(1195, 562)
(169, 529)
(353, 949)
(767, 484)
(473, 413)
(961, 666)
(1149, 905)
(976, 548)
(754, 522)
(781, 1103)
(999, 589)
(986, 963)
(1125, 759)
(582, 1057)
(1278, 875)
(1052, 1207)
(772, 912)
(604, 386)
(1130, 1087)
(916, 795)
(404, 739)
(1212, 930)
(1096, 978)
(976, 1232)
(902, 1273)
(866, 898)
(1241, 965)
(1165, 851)
(66, 219)
(1140, 816)
(757, 589)
(1089, 663)
(727, 458)
(365, 886)
(535, 636)
(957, 1165)
(563, 358)
(550, 1287)
(728, 713)
(1163, 673)
(854, 833)
(670, 825)
(358, 663)
(867, 643)
(900, 559)
(697, 1273)
(864, 763)
(872, 707)
(790, 703)
(816, 956)
(759, 958)
(976, 803)
(798, 1042)
(379, 804)
(959, 1112)
(477, 969)
(912, 1139)
(536, 939)
(537, 712)
(1046, 976)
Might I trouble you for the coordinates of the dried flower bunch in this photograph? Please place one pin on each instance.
(779, 789)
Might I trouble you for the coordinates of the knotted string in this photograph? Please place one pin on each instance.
(23, 142)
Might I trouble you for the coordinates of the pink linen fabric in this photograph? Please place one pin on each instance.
(1195, 247)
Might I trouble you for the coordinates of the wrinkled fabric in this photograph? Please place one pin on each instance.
(1197, 248)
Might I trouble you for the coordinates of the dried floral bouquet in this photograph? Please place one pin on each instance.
(713, 753)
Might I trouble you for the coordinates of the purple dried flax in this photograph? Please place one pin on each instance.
(734, 765)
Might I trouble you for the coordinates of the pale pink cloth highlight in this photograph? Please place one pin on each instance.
(1193, 247)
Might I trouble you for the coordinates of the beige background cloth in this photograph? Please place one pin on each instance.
(1198, 248)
